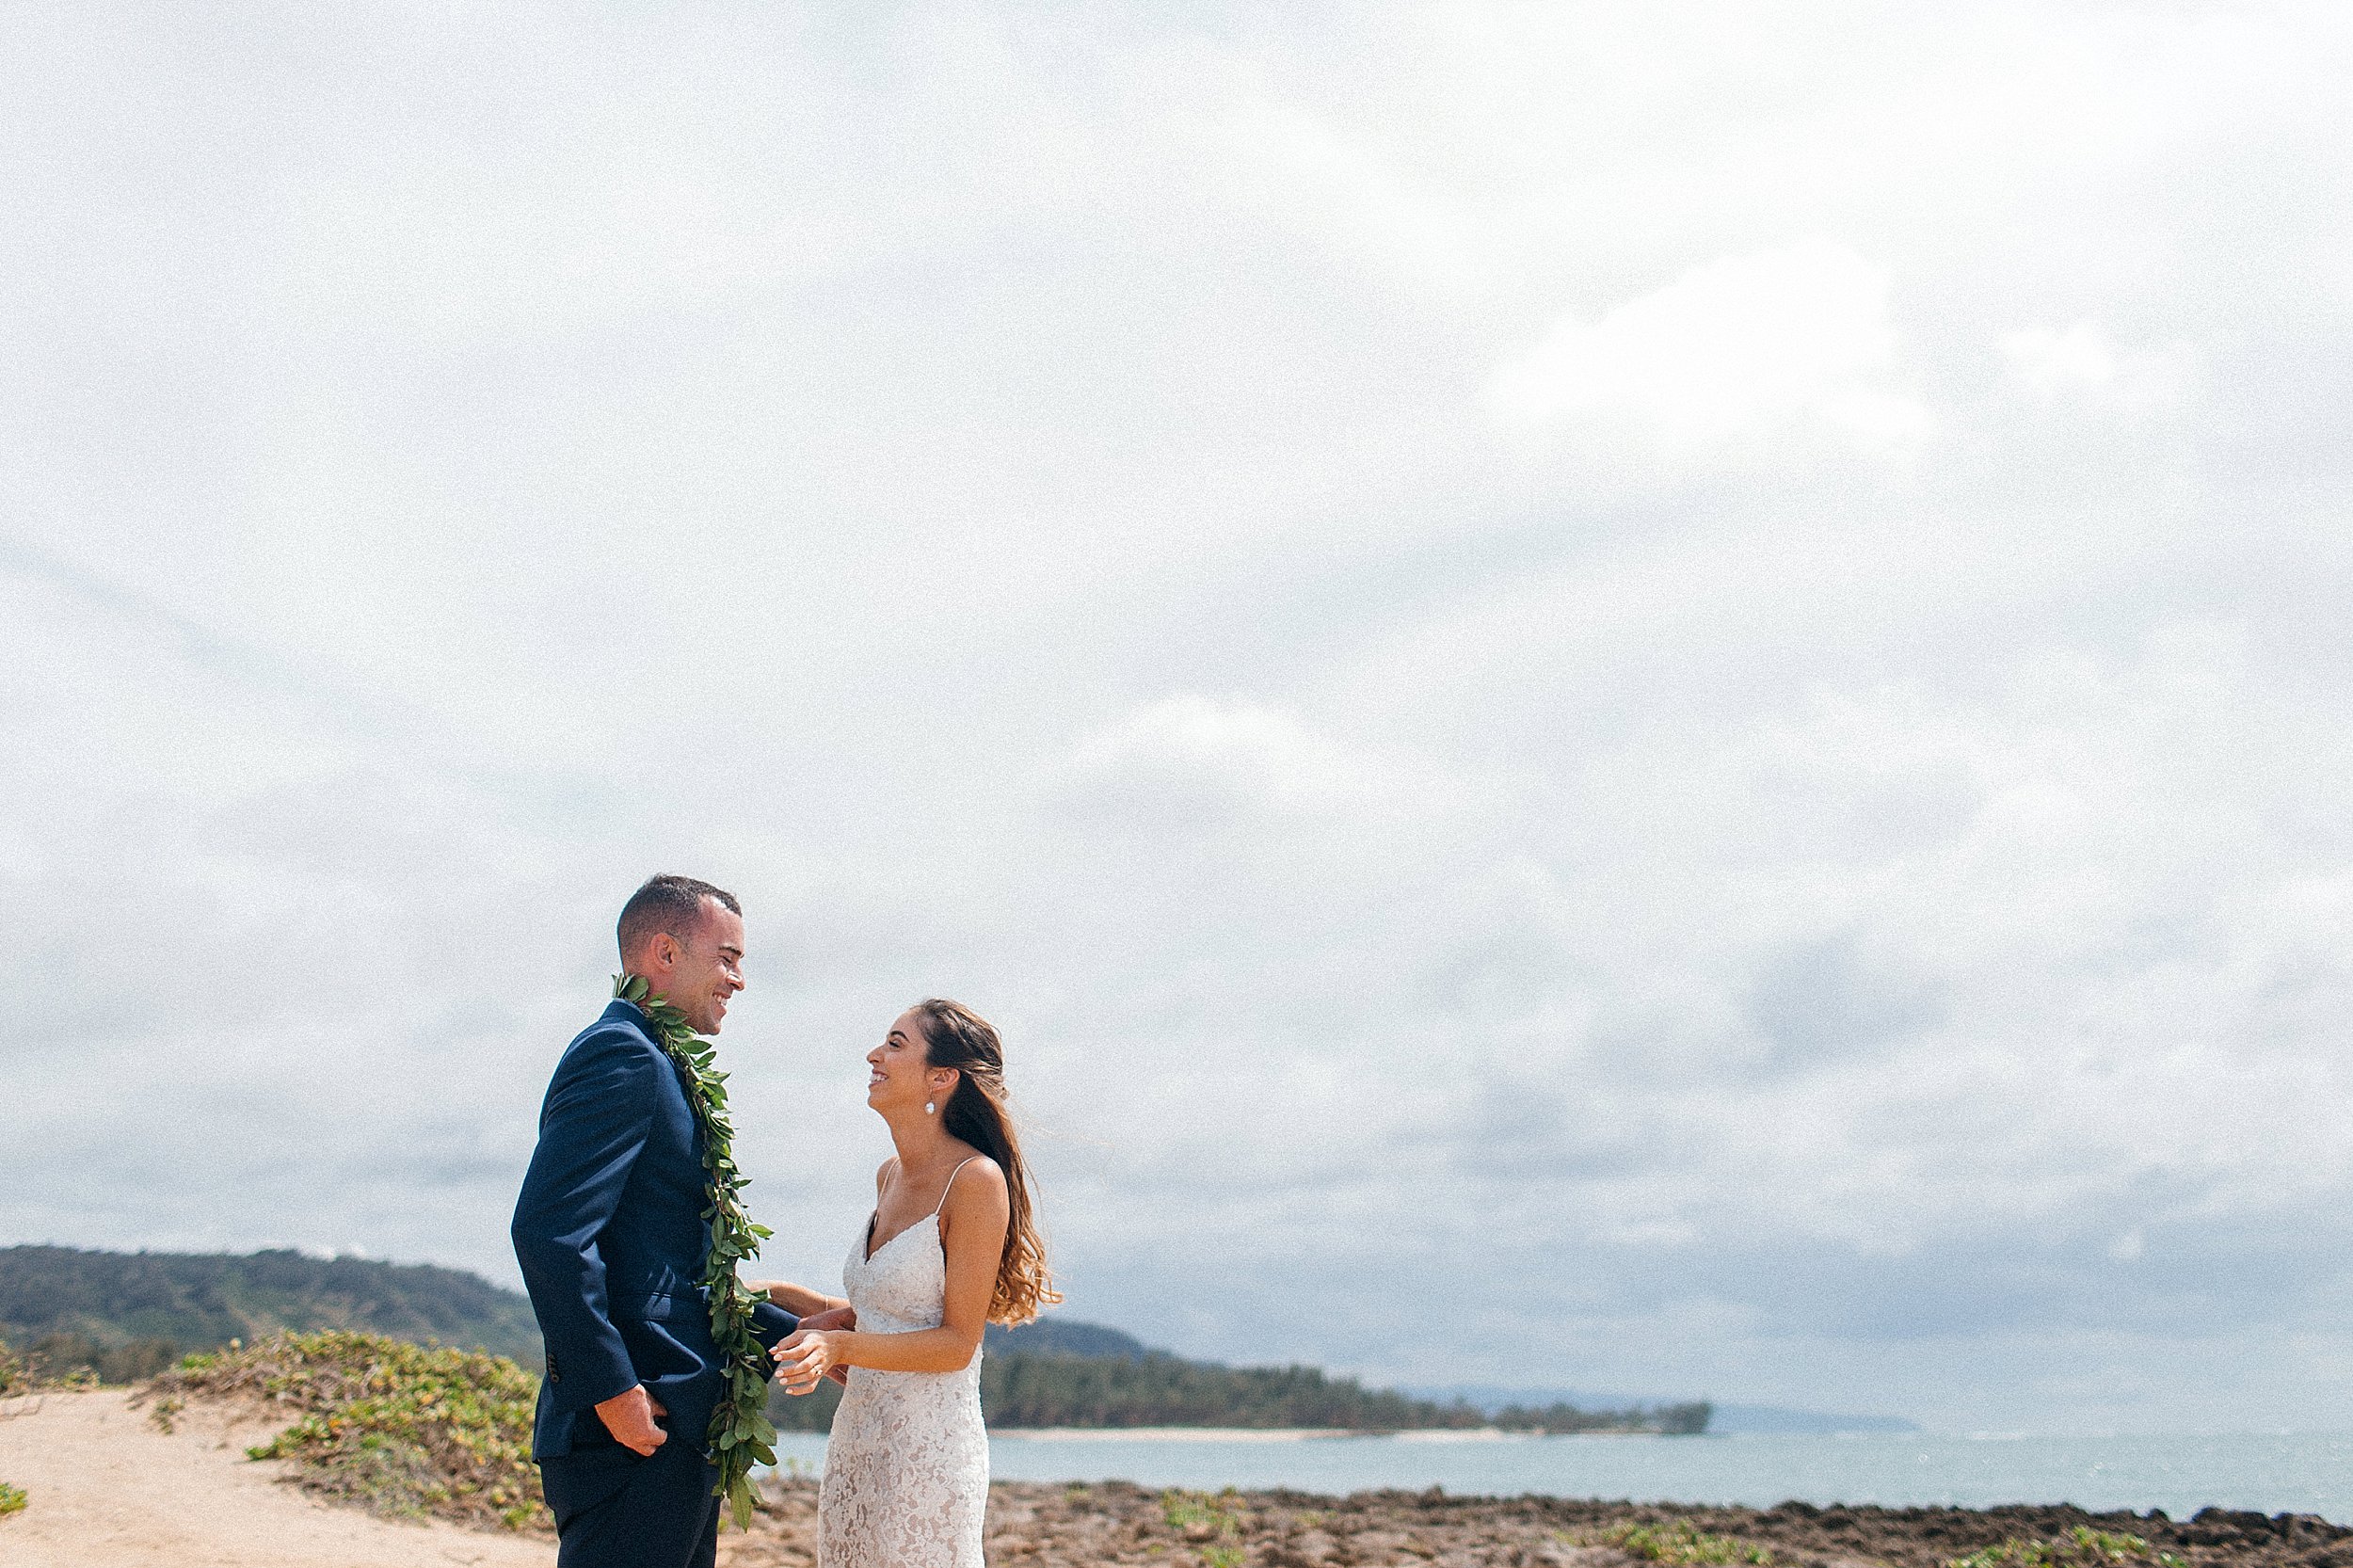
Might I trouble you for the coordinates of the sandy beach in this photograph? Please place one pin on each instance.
(106, 1487)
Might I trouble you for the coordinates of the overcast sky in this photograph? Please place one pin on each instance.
(1651, 697)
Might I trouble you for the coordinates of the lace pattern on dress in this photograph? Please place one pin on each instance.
(906, 1469)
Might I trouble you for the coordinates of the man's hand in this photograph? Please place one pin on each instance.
(629, 1417)
(840, 1317)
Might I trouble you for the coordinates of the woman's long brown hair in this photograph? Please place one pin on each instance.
(955, 1036)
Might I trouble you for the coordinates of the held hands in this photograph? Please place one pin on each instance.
(811, 1354)
(629, 1417)
(839, 1317)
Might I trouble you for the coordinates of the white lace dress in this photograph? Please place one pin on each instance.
(906, 1470)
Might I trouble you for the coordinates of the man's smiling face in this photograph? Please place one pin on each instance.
(704, 969)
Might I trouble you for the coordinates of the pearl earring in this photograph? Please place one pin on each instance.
(930, 1109)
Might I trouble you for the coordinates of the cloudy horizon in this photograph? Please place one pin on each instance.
(1635, 698)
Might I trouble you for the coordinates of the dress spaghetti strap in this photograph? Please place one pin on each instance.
(949, 1187)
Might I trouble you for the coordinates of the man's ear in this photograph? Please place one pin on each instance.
(663, 951)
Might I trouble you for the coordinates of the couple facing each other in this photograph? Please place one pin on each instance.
(613, 1233)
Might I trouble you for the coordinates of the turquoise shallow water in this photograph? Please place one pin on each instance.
(2271, 1473)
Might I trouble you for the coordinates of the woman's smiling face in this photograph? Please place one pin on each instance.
(900, 1075)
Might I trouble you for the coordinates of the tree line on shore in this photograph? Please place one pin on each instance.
(1022, 1389)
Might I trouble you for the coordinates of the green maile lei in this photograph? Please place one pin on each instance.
(740, 1434)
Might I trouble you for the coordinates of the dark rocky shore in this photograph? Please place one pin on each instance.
(1034, 1525)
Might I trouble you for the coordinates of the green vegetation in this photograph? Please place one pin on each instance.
(127, 1316)
(1212, 1523)
(45, 1368)
(1670, 1420)
(78, 1359)
(15, 1378)
(1682, 1545)
(1164, 1391)
(2081, 1547)
(404, 1430)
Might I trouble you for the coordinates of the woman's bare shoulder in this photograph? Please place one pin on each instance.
(979, 1175)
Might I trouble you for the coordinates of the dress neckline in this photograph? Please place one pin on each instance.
(871, 1251)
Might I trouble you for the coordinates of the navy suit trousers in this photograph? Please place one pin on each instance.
(615, 1510)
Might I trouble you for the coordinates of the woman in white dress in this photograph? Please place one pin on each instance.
(951, 1247)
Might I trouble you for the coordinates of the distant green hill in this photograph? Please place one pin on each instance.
(1058, 1337)
(130, 1314)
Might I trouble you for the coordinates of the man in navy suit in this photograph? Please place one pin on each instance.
(612, 1239)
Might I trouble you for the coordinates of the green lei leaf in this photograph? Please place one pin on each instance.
(740, 1434)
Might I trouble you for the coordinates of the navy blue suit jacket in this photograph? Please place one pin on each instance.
(610, 1236)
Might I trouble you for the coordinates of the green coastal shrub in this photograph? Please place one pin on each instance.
(2081, 1547)
(1681, 1545)
(404, 1430)
(11, 1500)
(1213, 1524)
(1218, 1513)
(78, 1361)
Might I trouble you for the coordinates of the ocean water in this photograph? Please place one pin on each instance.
(2271, 1473)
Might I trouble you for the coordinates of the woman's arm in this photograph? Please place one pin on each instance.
(799, 1300)
(972, 1228)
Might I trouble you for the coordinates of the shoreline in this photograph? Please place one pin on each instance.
(1121, 1525)
(1297, 1435)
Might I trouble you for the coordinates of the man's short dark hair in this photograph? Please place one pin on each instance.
(672, 906)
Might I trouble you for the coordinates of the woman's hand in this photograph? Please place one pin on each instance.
(844, 1315)
(808, 1355)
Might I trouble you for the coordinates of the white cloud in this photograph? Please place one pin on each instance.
(1741, 347)
(2048, 365)
(1238, 755)
(1009, 494)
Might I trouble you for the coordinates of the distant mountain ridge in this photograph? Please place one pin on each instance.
(196, 1300)
(1054, 1336)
